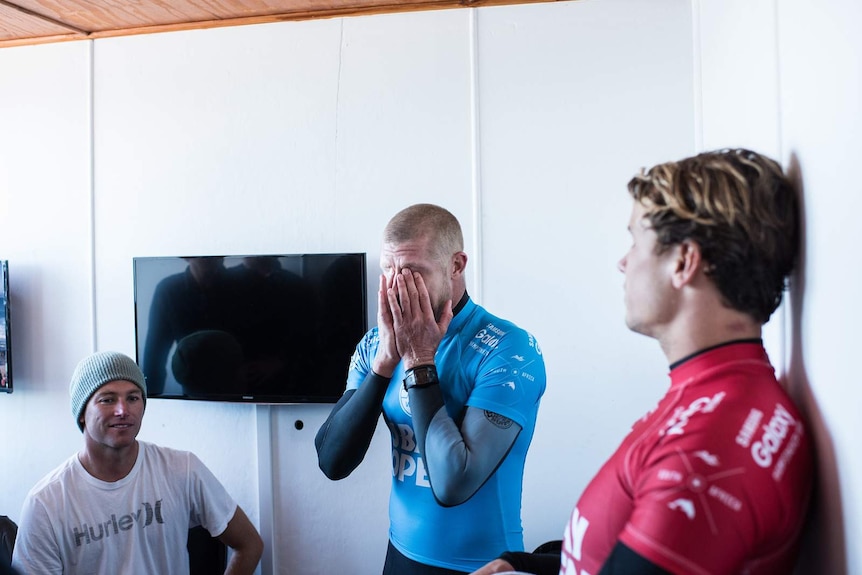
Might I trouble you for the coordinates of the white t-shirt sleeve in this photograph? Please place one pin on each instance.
(211, 505)
(36, 547)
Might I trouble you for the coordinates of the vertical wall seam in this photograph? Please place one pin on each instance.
(91, 138)
(697, 74)
(338, 98)
(266, 480)
(779, 124)
(476, 157)
(786, 319)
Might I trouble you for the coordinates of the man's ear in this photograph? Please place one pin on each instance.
(459, 264)
(688, 262)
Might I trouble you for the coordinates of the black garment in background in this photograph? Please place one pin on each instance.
(536, 563)
(624, 561)
(398, 564)
(207, 554)
(8, 532)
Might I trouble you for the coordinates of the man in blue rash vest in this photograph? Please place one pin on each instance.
(459, 390)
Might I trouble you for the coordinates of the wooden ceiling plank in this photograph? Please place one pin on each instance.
(35, 40)
(114, 14)
(105, 15)
(112, 18)
(43, 17)
(357, 9)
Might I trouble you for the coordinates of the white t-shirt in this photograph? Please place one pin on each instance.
(73, 523)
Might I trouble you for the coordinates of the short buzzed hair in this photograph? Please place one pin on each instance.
(426, 220)
(743, 212)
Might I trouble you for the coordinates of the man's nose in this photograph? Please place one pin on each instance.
(391, 275)
(621, 265)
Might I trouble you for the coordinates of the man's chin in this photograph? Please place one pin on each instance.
(125, 435)
(637, 327)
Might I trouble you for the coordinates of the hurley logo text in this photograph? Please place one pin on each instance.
(142, 518)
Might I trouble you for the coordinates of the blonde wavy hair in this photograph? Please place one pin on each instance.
(743, 212)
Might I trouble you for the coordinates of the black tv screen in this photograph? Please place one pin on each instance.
(255, 328)
(5, 331)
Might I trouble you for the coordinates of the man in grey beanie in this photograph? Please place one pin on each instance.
(121, 505)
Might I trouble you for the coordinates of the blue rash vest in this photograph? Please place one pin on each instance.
(483, 362)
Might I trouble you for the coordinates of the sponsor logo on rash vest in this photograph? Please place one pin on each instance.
(743, 438)
(487, 339)
(773, 437)
(681, 416)
(407, 463)
(573, 541)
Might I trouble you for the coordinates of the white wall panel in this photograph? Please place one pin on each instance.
(404, 120)
(574, 98)
(739, 79)
(325, 526)
(821, 114)
(45, 235)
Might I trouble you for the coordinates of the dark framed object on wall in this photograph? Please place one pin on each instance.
(250, 328)
(6, 379)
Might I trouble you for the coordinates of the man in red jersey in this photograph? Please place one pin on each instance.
(717, 478)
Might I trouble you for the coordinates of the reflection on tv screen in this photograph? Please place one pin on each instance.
(262, 328)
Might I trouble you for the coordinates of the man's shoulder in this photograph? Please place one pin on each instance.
(480, 318)
(738, 389)
(370, 338)
(490, 332)
(747, 420)
(55, 479)
(168, 458)
(154, 450)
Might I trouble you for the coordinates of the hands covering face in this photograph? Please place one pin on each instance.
(406, 323)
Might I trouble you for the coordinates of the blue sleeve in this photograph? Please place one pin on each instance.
(360, 362)
(511, 378)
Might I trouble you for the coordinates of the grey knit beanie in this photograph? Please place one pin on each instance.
(95, 371)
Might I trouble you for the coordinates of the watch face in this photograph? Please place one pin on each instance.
(421, 376)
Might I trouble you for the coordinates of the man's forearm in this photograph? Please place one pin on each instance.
(458, 460)
(242, 562)
(344, 437)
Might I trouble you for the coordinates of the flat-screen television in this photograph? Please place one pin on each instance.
(5, 331)
(253, 328)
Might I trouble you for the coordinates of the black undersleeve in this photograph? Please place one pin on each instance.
(624, 561)
(344, 437)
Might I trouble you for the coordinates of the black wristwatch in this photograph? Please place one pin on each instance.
(421, 376)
